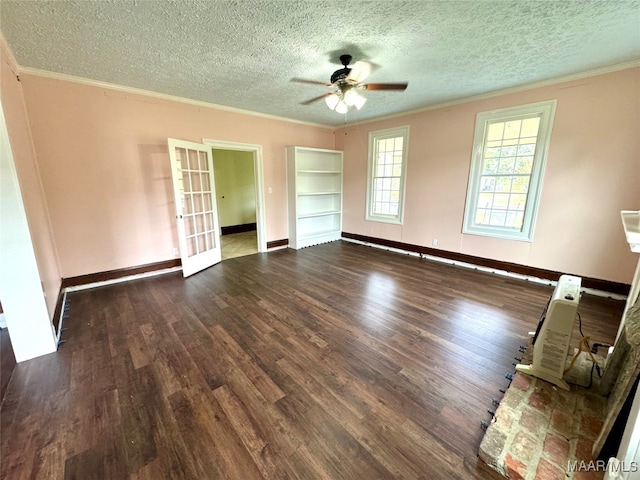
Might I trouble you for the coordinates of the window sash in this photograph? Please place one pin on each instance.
(515, 158)
(386, 176)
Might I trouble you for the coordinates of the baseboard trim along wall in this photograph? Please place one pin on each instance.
(245, 227)
(278, 243)
(591, 285)
(92, 280)
(58, 313)
(82, 281)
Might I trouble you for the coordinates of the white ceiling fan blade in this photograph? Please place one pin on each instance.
(359, 71)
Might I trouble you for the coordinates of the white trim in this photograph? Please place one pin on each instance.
(480, 268)
(546, 112)
(163, 96)
(505, 91)
(373, 138)
(258, 168)
(87, 286)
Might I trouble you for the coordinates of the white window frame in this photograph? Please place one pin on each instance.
(374, 138)
(546, 111)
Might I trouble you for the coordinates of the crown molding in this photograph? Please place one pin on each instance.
(162, 96)
(505, 91)
(189, 101)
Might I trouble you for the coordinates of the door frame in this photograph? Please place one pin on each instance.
(258, 173)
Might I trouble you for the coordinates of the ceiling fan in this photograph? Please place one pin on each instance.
(347, 87)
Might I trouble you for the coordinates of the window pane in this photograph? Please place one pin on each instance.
(186, 204)
(526, 148)
(196, 186)
(517, 202)
(205, 182)
(520, 185)
(485, 200)
(487, 184)
(511, 220)
(501, 200)
(507, 165)
(193, 160)
(530, 127)
(524, 165)
(189, 225)
(490, 165)
(508, 151)
(495, 131)
(501, 187)
(497, 218)
(204, 164)
(512, 129)
(503, 184)
(387, 169)
(191, 246)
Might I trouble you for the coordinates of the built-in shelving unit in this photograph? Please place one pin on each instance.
(314, 178)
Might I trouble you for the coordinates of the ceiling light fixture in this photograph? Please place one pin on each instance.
(344, 97)
(347, 87)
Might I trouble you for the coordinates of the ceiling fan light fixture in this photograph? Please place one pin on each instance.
(360, 101)
(332, 101)
(342, 107)
(351, 97)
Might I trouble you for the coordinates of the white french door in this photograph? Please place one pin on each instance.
(196, 209)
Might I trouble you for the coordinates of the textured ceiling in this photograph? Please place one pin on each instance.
(243, 53)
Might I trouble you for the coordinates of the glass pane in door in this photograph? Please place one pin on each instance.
(196, 200)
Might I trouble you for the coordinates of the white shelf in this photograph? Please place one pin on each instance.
(319, 233)
(304, 194)
(318, 214)
(631, 225)
(314, 179)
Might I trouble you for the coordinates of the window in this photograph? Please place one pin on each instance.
(509, 153)
(387, 169)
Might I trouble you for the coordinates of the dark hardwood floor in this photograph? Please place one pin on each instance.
(334, 362)
(7, 361)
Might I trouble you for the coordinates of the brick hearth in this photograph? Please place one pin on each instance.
(539, 428)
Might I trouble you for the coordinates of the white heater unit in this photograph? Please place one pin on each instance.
(552, 338)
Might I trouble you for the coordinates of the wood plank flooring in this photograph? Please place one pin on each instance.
(7, 361)
(334, 362)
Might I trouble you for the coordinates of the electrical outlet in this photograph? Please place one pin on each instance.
(270, 190)
(175, 251)
(434, 242)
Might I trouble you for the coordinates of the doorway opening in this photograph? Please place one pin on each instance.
(239, 191)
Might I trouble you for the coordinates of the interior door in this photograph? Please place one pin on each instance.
(196, 209)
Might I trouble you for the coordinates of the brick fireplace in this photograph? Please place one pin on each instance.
(542, 432)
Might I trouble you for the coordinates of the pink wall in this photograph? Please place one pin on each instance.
(26, 164)
(106, 174)
(592, 172)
